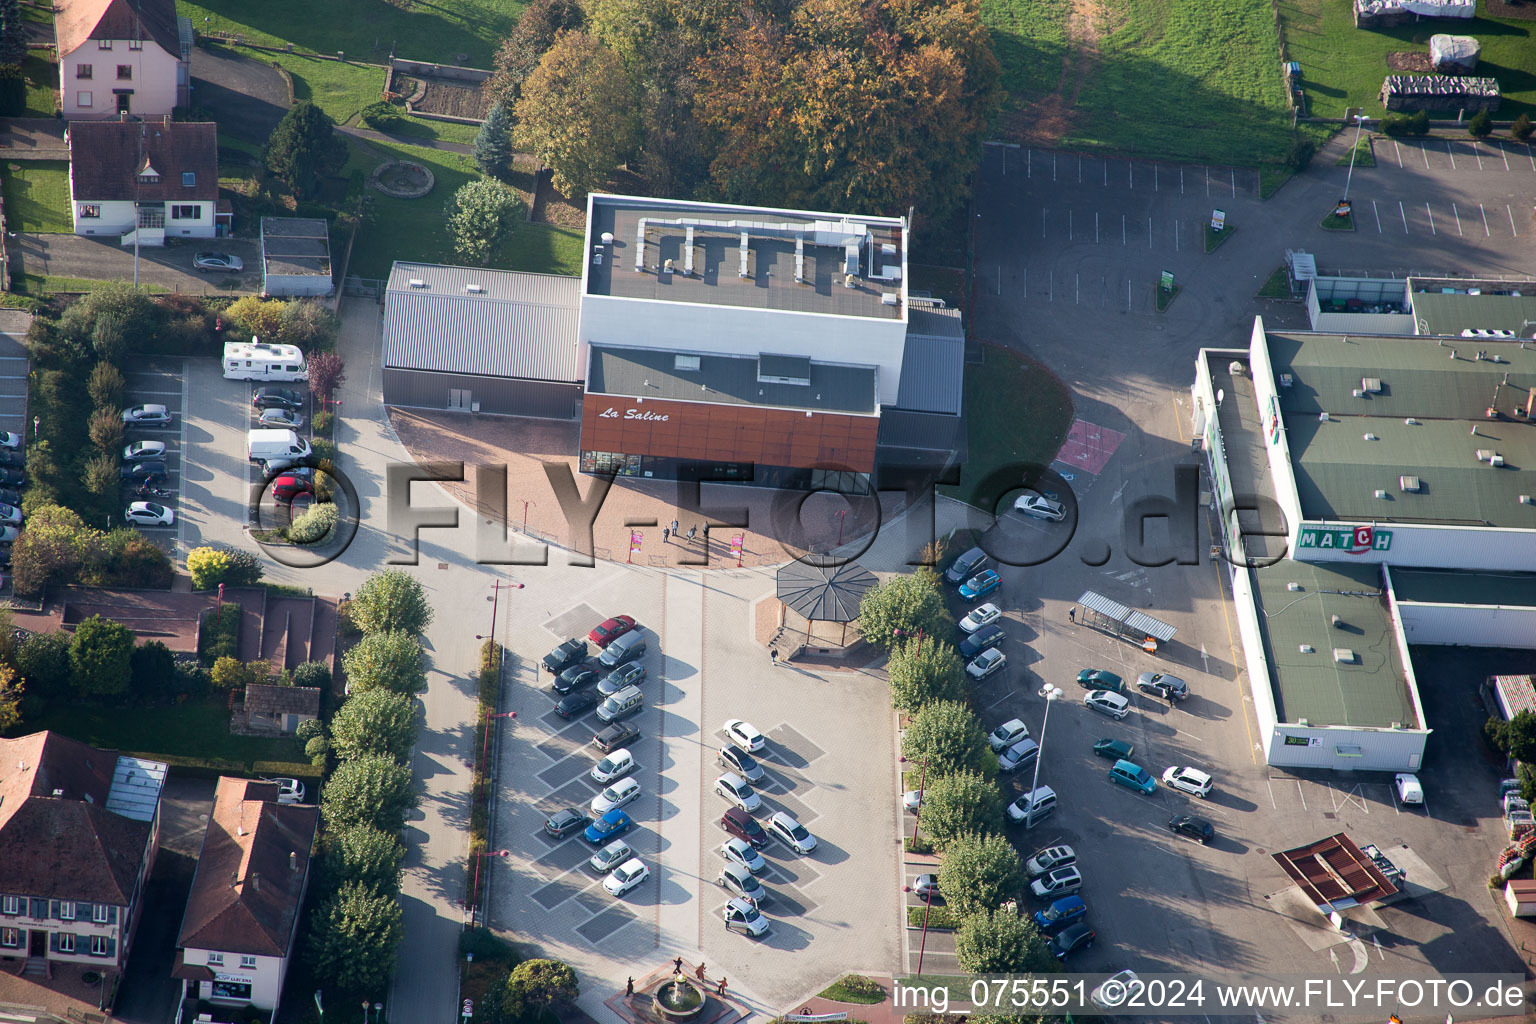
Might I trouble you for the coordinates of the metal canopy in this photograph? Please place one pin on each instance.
(826, 593)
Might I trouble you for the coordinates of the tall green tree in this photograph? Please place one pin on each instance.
(978, 872)
(356, 936)
(391, 661)
(52, 547)
(370, 789)
(11, 690)
(946, 736)
(152, 671)
(1002, 942)
(388, 600)
(13, 34)
(960, 804)
(42, 661)
(923, 673)
(536, 985)
(101, 657)
(535, 32)
(304, 148)
(480, 216)
(375, 722)
(904, 605)
(365, 856)
(576, 113)
(493, 143)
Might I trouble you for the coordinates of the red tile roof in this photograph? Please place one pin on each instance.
(250, 874)
(106, 157)
(77, 21)
(57, 838)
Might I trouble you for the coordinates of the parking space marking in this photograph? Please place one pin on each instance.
(1477, 151)
(1424, 151)
(1378, 216)
(1069, 225)
(1149, 232)
(1399, 151)
(1486, 231)
(1053, 166)
(1181, 181)
(1122, 229)
(1404, 214)
(1450, 154)
(1457, 215)
(1208, 180)
(1505, 154)
(1154, 178)
(1234, 182)
(1131, 173)
(1351, 796)
(1511, 220)
(1532, 154)
(1095, 227)
(1431, 214)
(1042, 221)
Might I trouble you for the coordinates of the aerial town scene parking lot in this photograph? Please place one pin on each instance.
(560, 512)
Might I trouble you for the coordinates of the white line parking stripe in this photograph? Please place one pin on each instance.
(1450, 154)
(1424, 152)
(1505, 154)
(1457, 215)
(1399, 151)
(1378, 216)
(1431, 219)
(1485, 221)
(1477, 151)
(1404, 214)
(1532, 155)
(1511, 220)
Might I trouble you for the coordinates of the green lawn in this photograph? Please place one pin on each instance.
(197, 729)
(1030, 40)
(42, 85)
(1361, 152)
(413, 229)
(40, 285)
(435, 31)
(442, 131)
(1191, 80)
(1016, 411)
(854, 988)
(1342, 66)
(37, 196)
(1277, 285)
(341, 90)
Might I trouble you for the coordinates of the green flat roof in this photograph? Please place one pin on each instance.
(1369, 692)
(1438, 313)
(1338, 471)
(1452, 586)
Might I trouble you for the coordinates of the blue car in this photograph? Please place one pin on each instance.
(610, 826)
(980, 585)
(1133, 776)
(1065, 911)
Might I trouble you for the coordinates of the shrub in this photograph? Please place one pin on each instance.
(211, 566)
(107, 388)
(126, 558)
(1400, 125)
(313, 673)
(391, 600)
(318, 750)
(219, 637)
(308, 730)
(258, 316)
(1481, 125)
(42, 661)
(100, 657)
(307, 324)
(324, 450)
(106, 428)
(381, 116)
(322, 424)
(232, 674)
(386, 661)
(1521, 129)
(99, 475)
(903, 605)
(314, 525)
(1302, 151)
(153, 671)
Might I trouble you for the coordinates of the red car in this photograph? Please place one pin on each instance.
(286, 488)
(610, 630)
(742, 825)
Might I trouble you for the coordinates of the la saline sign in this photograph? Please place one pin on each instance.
(631, 414)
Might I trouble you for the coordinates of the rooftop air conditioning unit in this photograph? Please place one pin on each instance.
(1359, 393)
(1286, 380)
(1303, 722)
(1307, 649)
(607, 237)
(475, 289)
(1335, 621)
(850, 281)
(1410, 421)
(1371, 385)
(1484, 454)
(1343, 656)
(1497, 461)
(417, 282)
(1408, 483)
(1294, 587)
(889, 298)
(1526, 499)
(1323, 417)
(1370, 437)
(1235, 368)
(1381, 494)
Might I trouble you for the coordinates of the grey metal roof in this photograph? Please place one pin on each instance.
(716, 230)
(521, 325)
(935, 321)
(727, 380)
(932, 374)
(1369, 691)
(923, 432)
(825, 593)
(1438, 313)
(295, 246)
(1139, 621)
(136, 785)
(1453, 586)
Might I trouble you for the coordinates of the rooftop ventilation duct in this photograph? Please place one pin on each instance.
(417, 282)
(1343, 656)
(1408, 483)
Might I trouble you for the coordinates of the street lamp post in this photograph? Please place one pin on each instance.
(1052, 693)
(912, 632)
(842, 517)
(525, 514)
(474, 896)
(1359, 125)
(917, 813)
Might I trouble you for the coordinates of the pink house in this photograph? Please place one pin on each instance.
(122, 57)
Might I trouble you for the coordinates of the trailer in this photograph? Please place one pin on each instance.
(257, 361)
(1098, 612)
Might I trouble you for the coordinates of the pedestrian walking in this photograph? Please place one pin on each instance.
(722, 986)
(666, 535)
(629, 989)
(700, 972)
(693, 531)
(1072, 613)
(774, 655)
(674, 526)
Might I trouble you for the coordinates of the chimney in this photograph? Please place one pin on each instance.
(255, 882)
(167, 120)
(293, 861)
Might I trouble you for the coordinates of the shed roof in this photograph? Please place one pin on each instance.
(264, 699)
(729, 380)
(296, 247)
(933, 362)
(1334, 873)
(1516, 694)
(516, 325)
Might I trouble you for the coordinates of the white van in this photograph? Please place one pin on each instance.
(256, 361)
(265, 445)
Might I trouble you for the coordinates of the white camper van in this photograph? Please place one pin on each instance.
(265, 445)
(256, 361)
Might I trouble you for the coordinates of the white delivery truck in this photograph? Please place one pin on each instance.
(265, 445)
(256, 361)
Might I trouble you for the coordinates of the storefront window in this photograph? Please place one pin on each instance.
(232, 990)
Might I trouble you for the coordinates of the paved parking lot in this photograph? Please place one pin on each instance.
(828, 762)
(169, 266)
(160, 381)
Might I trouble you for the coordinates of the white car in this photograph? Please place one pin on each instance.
(741, 916)
(1048, 858)
(1408, 789)
(616, 795)
(1191, 780)
(1007, 734)
(1040, 508)
(144, 450)
(615, 766)
(980, 616)
(1062, 881)
(10, 514)
(9, 440)
(911, 799)
(148, 513)
(794, 834)
(1116, 990)
(147, 415)
(289, 791)
(626, 876)
(1107, 702)
(744, 735)
(611, 856)
(281, 418)
(743, 853)
(738, 791)
(986, 663)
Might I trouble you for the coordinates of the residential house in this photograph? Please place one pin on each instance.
(79, 829)
(279, 709)
(142, 181)
(122, 57)
(242, 917)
